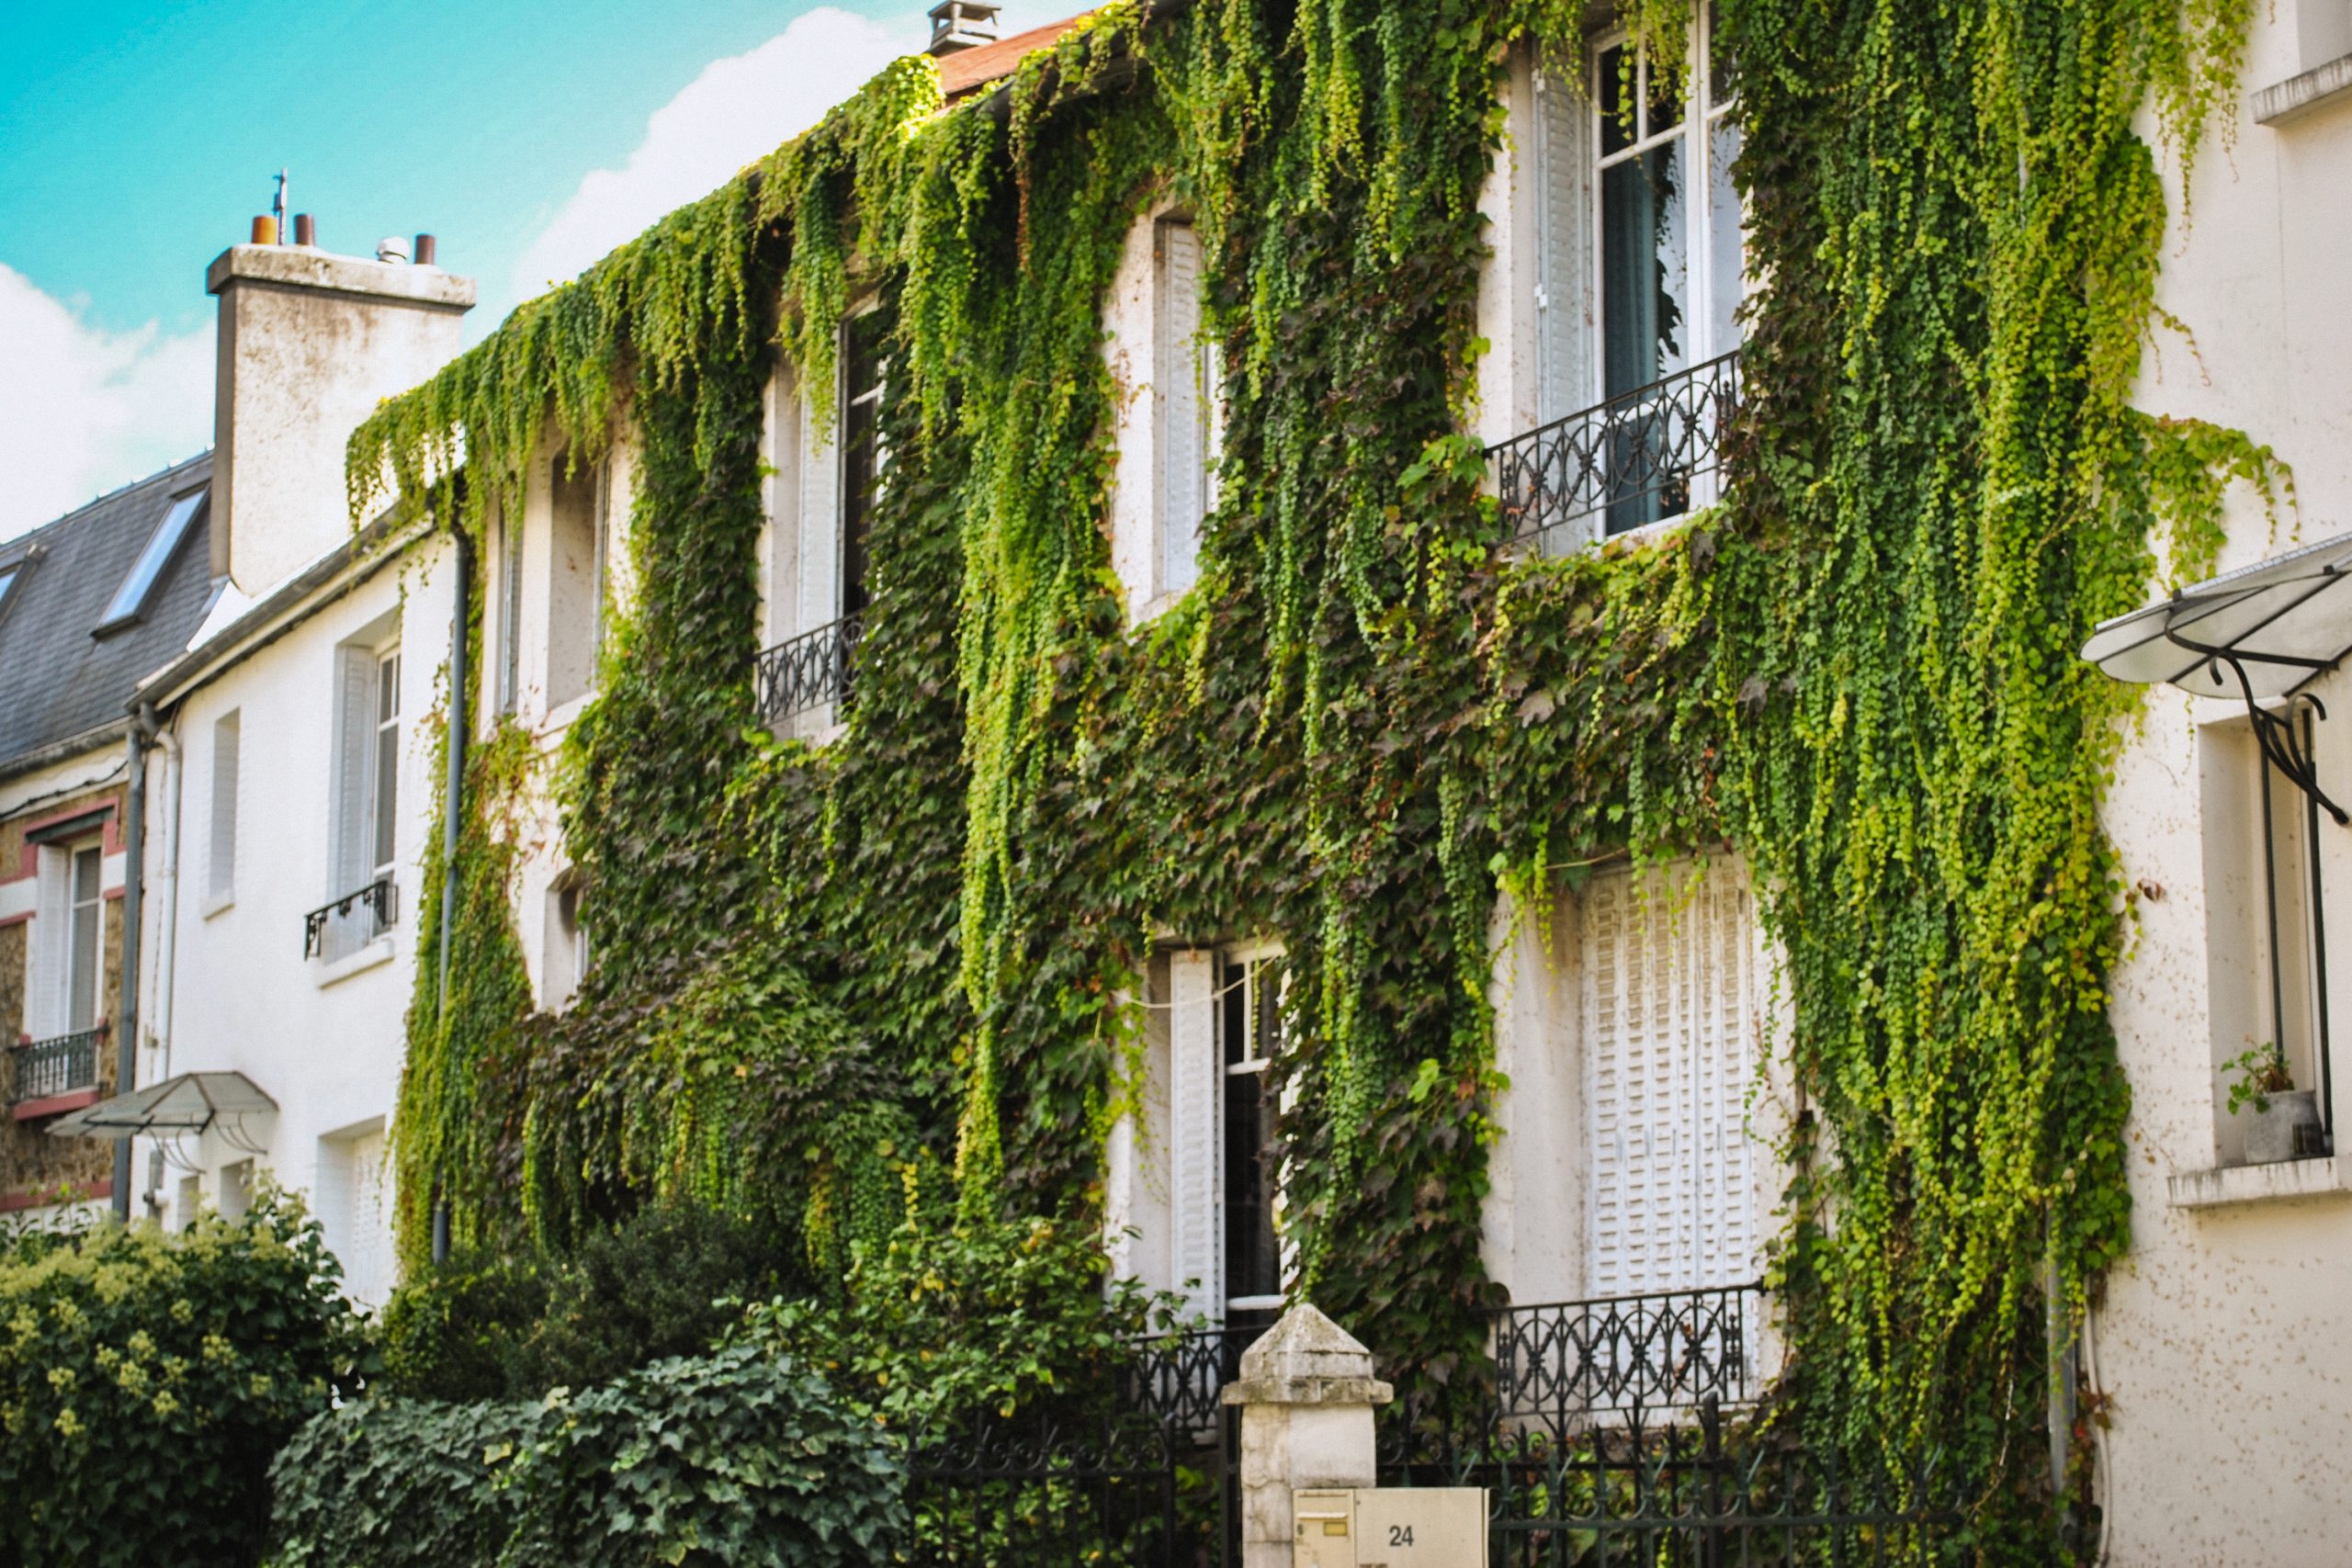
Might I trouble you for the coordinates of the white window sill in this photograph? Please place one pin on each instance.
(376, 952)
(2299, 95)
(216, 903)
(1153, 608)
(2284, 1182)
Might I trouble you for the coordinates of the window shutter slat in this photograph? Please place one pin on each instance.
(1197, 1089)
(1179, 376)
(1564, 273)
(353, 770)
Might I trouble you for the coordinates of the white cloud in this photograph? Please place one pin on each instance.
(84, 411)
(736, 110)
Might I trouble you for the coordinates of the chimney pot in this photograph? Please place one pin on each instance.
(265, 230)
(393, 249)
(305, 229)
(425, 251)
(959, 25)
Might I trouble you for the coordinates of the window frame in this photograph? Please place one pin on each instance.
(137, 590)
(1261, 1017)
(84, 990)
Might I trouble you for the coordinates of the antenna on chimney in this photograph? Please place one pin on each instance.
(959, 25)
(278, 207)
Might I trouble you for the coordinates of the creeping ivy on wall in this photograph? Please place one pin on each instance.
(823, 969)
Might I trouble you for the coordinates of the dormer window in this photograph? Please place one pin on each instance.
(130, 601)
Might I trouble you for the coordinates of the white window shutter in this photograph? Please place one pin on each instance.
(1564, 266)
(221, 873)
(1179, 385)
(1195, 1107)
(355, 760)
(821, 522)
(1670, 1025)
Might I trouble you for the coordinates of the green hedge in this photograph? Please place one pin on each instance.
(145, 1380)
(730, 1457)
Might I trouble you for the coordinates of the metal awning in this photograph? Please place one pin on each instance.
(192, 1102)
(2262, 633)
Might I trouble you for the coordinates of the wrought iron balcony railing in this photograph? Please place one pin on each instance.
(1564, 1365)
(807, 671)
(351, 921)
(47, 1068)
(1177, 1378)
(1641, 456)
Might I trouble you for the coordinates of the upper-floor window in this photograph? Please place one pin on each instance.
(861, 456)
(221, 865)
(579, 502)
(362, 857)
(84, 928)
(130, 601)
(1184, 384)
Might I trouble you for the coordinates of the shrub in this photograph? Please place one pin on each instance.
(145, 1380)
(730, 1457)
(950, 1323)
(391, 1481)
(486, 1328)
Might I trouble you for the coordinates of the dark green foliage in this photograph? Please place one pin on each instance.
(146, 1380)
(665, 1282)
(734, 1457)
(388, 1482)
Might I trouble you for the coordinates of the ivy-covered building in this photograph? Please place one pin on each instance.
(1431, 659)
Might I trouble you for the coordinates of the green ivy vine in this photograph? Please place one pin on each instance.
(824, 970)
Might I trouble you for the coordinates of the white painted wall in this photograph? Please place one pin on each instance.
(324, 1039)
(2221, 1340)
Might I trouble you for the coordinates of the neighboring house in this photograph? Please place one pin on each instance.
(2220, 1340)
(289, 784)
(87, 604)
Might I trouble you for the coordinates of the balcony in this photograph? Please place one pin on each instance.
(1641, 456)
(342, 926)
(808, 672)
(61, 1069)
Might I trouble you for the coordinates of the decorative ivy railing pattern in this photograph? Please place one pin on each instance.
(47, 1068)
(1636, 458)
(379, 904)
(807, 671)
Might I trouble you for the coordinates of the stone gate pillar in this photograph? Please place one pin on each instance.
(1308, 1395)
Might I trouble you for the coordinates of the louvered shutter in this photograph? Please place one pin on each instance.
(1670, 1023)
(221, 870)
(1179, 384)
(1196, 1106)
(1564, 269)
(821, 524)
(354, 749)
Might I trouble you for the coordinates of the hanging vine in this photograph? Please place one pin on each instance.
(819, 966)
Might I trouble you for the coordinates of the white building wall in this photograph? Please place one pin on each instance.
(2221, 1340)
(324, 1039)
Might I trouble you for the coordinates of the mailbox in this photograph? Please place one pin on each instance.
(1390, 1527)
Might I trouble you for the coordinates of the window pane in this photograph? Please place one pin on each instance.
(1252, 1256)
(81, 965)
(1663, 103)
(7, 581)
(861, 452)
(1725, 249)
(388, 784)
(1234, 1024)
(1612, 96)
(1646, 268)
(131, 597)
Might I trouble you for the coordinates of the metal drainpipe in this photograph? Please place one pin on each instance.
(452, 810)
(126, 1022)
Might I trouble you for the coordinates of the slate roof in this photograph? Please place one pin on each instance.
(58, 680)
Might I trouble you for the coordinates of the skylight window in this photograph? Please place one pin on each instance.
(8, 579)
(131, 598)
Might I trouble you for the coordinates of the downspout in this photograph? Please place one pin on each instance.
(126, 1022)
(453, 797)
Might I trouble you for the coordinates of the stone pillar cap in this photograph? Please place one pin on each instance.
(1306, 1359)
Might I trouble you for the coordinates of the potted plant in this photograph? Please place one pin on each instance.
(2265, 1086)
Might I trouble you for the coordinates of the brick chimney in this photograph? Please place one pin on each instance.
(309, 344)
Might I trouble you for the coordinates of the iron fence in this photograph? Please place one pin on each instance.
(1177, 1378)
(1638, 458)
(807, 671)
(47, 1068)
(351, 921)
(1567, 1364)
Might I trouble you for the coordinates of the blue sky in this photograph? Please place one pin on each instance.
(138, 140)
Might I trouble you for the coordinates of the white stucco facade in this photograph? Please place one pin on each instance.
(2219, 1345)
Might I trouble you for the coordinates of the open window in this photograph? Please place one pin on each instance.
(363, 854)
(1639, 274)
